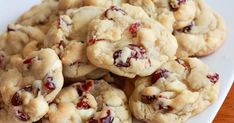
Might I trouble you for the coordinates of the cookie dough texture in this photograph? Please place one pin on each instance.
(198, 29)
(67, 37)
(67, 4)
(92, 101)
(31, 84)
(127, 42)
(177, 91)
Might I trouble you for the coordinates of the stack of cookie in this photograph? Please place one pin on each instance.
(74, 61)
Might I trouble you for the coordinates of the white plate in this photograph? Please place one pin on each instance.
(222, 61)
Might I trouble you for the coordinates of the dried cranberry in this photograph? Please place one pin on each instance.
(174, 5)
(187, 29)
(213, 77)
(134, 28)
(108, 118)
(16, 99)
(83, 104)
(148, 99)
(92, 120)
(88, 85)
(2, 61)
(79, 90)
(137, 52)
(93, 41)
(161, 73)
(164, 109)
(49, 83)
(22, 116)
(114, 8)
(117, 63)
(28, 61)
(28, 88)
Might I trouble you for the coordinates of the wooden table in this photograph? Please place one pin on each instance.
(226, 113)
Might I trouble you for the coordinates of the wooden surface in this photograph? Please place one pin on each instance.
(226, 113)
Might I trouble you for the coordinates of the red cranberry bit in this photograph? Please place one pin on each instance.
(88, 85)
(49, 84)
(117, 63)
(148, 99)
(187, 28)
(108, 118)
(2, 61)
(28, 61)
(164, 109)
(176, 4)
(213, 77)
(161, 73)
(114, 8)
(83, 104)
(92, 120)
(16, 99)
(137, 52)
(133, 29)
(93, 41)
(22, 116)
(79, 90)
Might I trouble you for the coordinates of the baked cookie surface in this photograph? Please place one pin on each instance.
(127, 42)
(67, 37)
(177, 91)
(198, 29)
(91, 102)
(31, 83)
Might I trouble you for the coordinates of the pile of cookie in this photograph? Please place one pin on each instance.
(109, 61)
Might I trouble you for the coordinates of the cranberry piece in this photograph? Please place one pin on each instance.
(134, 28)
(137, 52)
(92, 120)
(213, 77)
(16, 99)
(148, 99)
(49, 84)
(114, 8)
(28, 61)
(164, 109)
(2, 61)
(187, 29)
(88, 85)
(22, 116)
(108, 118)
(159, 74)
(117, 63)
(79, 90)
(93, 41)
(83, 104)
(28, 88)
(174, 5)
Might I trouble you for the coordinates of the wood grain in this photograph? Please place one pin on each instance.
(226, 113)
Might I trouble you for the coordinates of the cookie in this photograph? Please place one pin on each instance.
(204, 35)
(17, 36)
(198, 29)
(177, 91)
(67, 37)
(125, 41)
(68, 4)
(31, 83)
(41, 15)
(90, 102)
